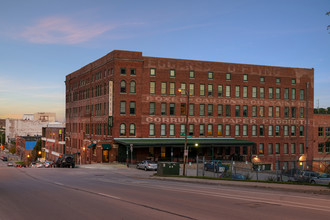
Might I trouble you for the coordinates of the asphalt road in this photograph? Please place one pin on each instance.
(121, 193)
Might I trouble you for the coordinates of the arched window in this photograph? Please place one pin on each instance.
(132, 129)
(133, 87)
(122, 130)
(123, 86)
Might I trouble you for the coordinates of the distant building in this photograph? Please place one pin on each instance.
(53, 140)
(24, 145)
(28, 117)
(45, 116)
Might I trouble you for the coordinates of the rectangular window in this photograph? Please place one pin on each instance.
(202, 89)
(227, 91)
(237, 91)
(262, 92)
(172, 108)
(327, 131)
(172, 88)
(262, 111)
(245, 92)
(183, 109)
(122, 107)
(293, 94)
(277, 130)
(237, 111)
(220, 91)
(286, 112)
(210, 110)
(286, 148)
(202, 110)
(191, 89)
(321, 148)
(228, 111)
(209, 129)
(220, 110)
(227, 130)
(245, 130)
(219, 130)
(254, 130)
(277, 112)
(191, 130)
(210, 90)
(191, 109)
(278, 80)
(261, 149)
(245, 111)
(262, 79)
(286, 93)
(254, 111)
(152, 108)
(270, 111)
(152, 72)
(302, 112)
(293, 81)
(261, 130)
(278, 93)
(228, 76)
(237, 132)
(182, 130)
(321, 132)
(301, 130)
(270, 130)
(133, 72)
(293, 148)
(152, 87)
(270, 149)
(270, 93)
(163, 88)
(132, 106)
(172, 73)
(254, 92)
(163, 108)
(293, 112)
(162, 129)
(172, 129)
(201, 130)
(210, 75)
(277, 148)
(301, 148)
(286, 130)
(302, 94)
(183, 89)
(191, 74)
(245, 77)
(151, 129)
(123, 71)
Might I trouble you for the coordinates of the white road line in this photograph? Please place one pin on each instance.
(60, 184)
(109, 196)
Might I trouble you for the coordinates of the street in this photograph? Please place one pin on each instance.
(127, 193)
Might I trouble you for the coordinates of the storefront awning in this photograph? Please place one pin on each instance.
(92, 145)
(106, 146)
(179, 142)
(76, 153)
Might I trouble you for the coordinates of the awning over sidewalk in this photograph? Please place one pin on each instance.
(179, 142)
(92, 145)
(106, 146)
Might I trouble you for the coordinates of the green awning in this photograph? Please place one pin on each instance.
(106, 146)
(76, 153)
(179, 142)
(92, 145)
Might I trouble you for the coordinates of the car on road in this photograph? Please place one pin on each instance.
(33, 165)
(147, 165)
(48, 164)
(10, 164)
(305, 176)
(323, 179)
(40, 165)
(66, 160)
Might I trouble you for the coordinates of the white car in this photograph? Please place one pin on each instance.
(323, 179)
(40, 165)
(147, 165)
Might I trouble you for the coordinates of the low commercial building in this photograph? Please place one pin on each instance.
(53, 140)
(25, 145)
(125, 100)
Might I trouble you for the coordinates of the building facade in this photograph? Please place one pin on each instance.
(248, 112)
(53, 141)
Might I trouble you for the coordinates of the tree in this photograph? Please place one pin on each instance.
(35, 150)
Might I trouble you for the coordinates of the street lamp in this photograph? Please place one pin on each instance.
(185, 152)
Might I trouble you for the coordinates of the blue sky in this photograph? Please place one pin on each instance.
(42, 41)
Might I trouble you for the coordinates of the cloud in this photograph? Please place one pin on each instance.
(60, 30)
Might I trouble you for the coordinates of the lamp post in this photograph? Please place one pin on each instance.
(185, 152)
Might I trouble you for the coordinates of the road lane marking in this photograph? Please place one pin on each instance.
(60, 184)
(109, 196)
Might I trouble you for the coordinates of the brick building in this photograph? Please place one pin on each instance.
(53, 141)
(241, 111)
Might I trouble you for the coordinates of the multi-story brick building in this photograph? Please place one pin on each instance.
(246, 112)
(53, 140)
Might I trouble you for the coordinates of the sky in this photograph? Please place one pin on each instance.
(42, 41)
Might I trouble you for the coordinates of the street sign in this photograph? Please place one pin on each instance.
(182, 134)
(189, 136)
(131, 146)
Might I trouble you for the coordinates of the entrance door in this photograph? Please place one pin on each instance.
(105, 156)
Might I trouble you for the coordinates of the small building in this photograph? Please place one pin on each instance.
(25, 145)
(53, 141)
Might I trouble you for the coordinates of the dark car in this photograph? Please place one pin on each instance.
(238, 176)
(306, 176)
(66, 160)
(215, 166)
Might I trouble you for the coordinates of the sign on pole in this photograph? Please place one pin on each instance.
(131, 145)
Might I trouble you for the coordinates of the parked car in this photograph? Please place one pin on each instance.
(40, 165)
(147, 165)
(10, 164)
(66, 160)
(323, 179)
(215, 166)
(305, 176)
(48, 164)
(238, 176)
(4, 159)
(33, 165)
